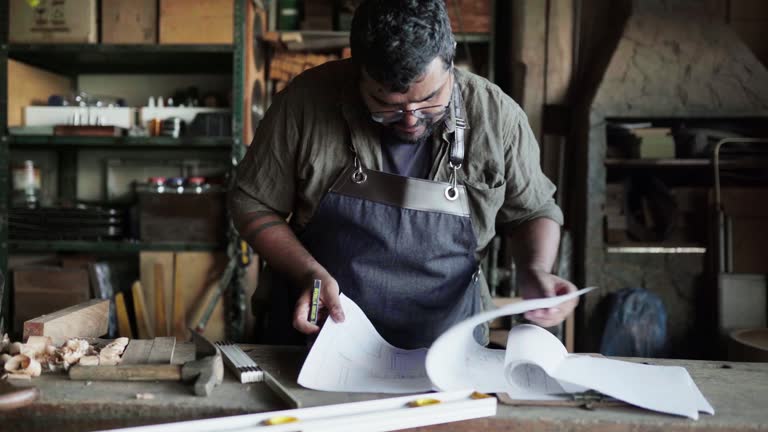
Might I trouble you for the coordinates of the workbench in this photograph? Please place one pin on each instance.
(738, 392)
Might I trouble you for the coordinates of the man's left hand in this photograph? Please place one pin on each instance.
(537, 283)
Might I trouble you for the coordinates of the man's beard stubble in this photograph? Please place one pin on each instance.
(428, 131)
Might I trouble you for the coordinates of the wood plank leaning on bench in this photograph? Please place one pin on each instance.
(89, 319)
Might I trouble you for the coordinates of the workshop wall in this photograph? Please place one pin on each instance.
(675, 59)
(749, 18)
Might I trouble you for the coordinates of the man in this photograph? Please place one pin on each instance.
(395, 170)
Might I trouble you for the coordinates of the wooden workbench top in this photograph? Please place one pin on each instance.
(738, 392)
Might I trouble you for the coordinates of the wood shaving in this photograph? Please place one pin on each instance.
(145, 396)
(36, 346)
(41, 354)
(20, 377)
(89, 361)
(24, 365)
(73, 350)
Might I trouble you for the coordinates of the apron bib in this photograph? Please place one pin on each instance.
(402, 248)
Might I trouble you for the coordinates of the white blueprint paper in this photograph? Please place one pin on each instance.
(537, 366)
(353, 357)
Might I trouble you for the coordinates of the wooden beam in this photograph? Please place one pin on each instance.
(558, 75)
(89, 319)
(529, 48)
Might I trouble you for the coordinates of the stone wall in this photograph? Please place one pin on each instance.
(676, 58)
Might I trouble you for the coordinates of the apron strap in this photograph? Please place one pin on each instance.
(456, 157)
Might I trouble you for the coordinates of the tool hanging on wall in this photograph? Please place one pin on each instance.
(240, 257)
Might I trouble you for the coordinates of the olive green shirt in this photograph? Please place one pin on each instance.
(304, 142)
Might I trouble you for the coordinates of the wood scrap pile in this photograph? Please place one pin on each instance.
(39, 353)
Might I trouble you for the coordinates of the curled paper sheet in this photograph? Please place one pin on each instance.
(352, 357)
(536, 365)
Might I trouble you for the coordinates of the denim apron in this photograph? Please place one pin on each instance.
(402, 248)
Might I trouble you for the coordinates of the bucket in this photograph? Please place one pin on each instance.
(748, 345)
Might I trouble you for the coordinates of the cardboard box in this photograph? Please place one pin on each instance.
(475, 15)
(199, 22)
(28, 85)
(129, 21)
(53, 21)
(170, 217)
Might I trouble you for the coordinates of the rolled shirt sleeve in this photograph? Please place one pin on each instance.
(529, 193)
(265, 180)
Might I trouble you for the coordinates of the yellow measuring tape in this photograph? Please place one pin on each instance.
(279, 420)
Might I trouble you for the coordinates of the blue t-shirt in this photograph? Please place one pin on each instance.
(406, 159)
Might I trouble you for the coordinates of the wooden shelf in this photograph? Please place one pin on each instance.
(686, 163)
(47, 141)
(308, 34)
(656, 248)
(72, 59)
(111, 246)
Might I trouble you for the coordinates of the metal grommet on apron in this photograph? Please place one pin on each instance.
(358, 175)
(402, 248)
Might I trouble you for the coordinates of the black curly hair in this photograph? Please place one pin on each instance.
(395, 40)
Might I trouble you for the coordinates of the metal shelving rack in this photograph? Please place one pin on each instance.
(71, 59)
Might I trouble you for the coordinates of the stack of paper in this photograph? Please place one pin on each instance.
(352, 357)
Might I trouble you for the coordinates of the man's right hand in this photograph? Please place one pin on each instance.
(329, 304)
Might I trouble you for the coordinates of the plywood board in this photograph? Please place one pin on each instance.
(89, 319)
(197, 274)
(28, 85)
(147, 263)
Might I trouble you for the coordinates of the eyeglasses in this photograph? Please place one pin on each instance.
(393, 116)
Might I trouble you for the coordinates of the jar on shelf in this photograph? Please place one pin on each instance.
(175, 184)
(197, 185)
(26, 184)
(157, 184)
